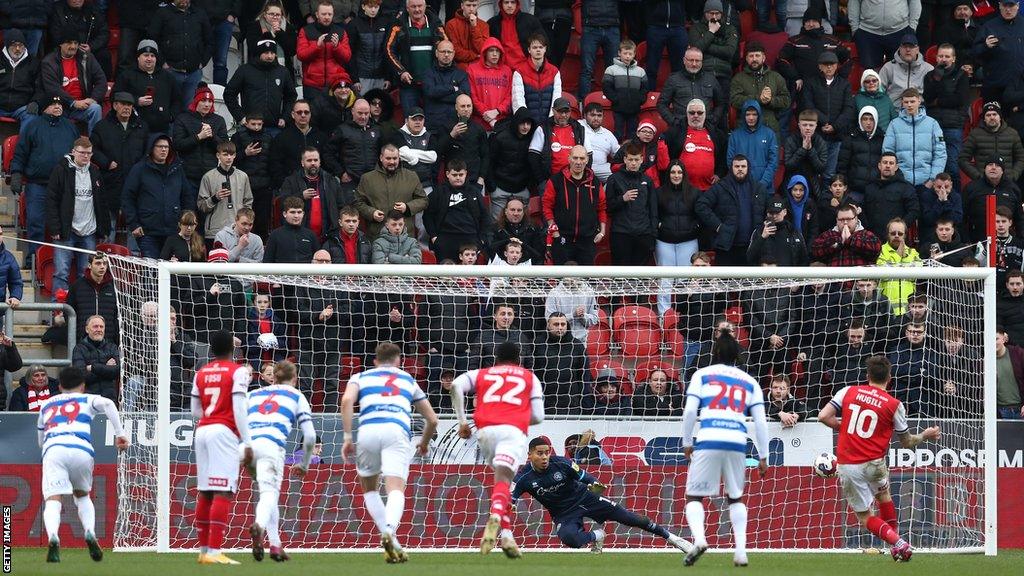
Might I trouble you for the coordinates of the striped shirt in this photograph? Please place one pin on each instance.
(386, 396)
(274, 410)
(66, 420)
(726, 394)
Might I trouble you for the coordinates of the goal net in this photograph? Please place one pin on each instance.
(614, 348)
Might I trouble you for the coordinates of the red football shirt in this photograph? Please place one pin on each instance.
(503, 395)
(214, 385)
(870, 416)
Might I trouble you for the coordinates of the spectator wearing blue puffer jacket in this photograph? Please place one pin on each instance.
(918, 142)
(41, 147)
(757, 142)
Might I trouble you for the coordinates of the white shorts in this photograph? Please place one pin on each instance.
(861, 482)
(216, 458)
(66, 470)
(710, 468)
(383, 449)
(503, 445)
(269, 458)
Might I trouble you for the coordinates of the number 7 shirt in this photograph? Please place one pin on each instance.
(870, 416)
(726, 395)
(214, 385)
(504, 395)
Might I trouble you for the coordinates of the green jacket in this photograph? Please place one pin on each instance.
(721, 49)
(748, 84)
(379, 191)
(882, 103)
(897, 291)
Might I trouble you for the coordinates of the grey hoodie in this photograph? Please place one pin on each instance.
(883, 16)
(897, 75)
(83, 222)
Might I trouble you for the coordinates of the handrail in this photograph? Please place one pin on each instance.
(71, 320)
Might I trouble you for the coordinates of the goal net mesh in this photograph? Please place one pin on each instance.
(614, 356)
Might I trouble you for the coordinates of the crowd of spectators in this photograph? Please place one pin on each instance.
(790, 145)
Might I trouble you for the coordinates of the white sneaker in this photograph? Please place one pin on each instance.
(680, 543)
(739, 559)
(597, 546)
(490, 537)
(509, 547)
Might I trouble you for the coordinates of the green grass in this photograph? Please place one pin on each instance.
(76, 562)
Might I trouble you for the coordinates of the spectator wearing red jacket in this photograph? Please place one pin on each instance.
(848, 243)
(324, 51)
(490, 85)
(513, 27)
(467, 32)
(575, 211)
(697, 151)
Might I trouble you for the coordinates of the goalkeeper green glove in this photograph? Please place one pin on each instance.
(597, 488)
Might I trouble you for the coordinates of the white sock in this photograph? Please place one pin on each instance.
(695, 518)
(375, 506)
(506, 533)
(272, 528)
(394, 508)
(87, 514)
(265, 507)
(598, 534)
(51, 518)
(738, 518)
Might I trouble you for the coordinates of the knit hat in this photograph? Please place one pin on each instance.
(147, 47)
(67, 34)
(265, 45)
(217, 255)
(997, 161)
(812, 13)
(713, 6)
(203, 92)
(49, 98)
(12, 36)
(646, 124)
(992, 107)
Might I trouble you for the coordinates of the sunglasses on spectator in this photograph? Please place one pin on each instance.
(695, 112)
(302, 112)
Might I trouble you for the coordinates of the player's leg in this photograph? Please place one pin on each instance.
(269, 475)
(394, 485)
(572, 534)
(204, 500)
(277, 552)
(220, 486)
(702, 481)
(56, 484)
(734, 476)
(887, 509)
(51, 520)
(859, 495)
(626, 517)
(505, 447)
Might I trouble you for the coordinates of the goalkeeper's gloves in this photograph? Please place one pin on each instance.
(597, 488)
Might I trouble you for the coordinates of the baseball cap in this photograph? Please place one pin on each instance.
(908, 39)
(776, 206)
(416, 111)
(562, 104)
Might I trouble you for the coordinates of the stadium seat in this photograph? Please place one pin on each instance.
(536, 211)
(637, 330)
(428, 257)
(106, 104)
(930, 53)
(748, 22)
(600, 364)
(643, 371)
(110, 248)
(603, 258)
(674, 341)
(44, 267)
(570, 70)
(415, 369)
(670, 319)
(574, 103)
(220, 108)
(599, 336)
(275, 212)
(10, 143)
(772, 43)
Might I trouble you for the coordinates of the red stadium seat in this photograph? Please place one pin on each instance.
(44, 267)
(110, 248)
(748, 22)
(415, 369)
(428, 257)
(536, 210)
(600, 364)
(275, 212)
(772, 43)
(675, 343)
(10, 143)
(637, 330)
(670, 319)
(603, 258)
(599, 336)
(570, 70)
(930, 54)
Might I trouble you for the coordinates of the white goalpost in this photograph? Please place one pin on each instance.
(613, 381)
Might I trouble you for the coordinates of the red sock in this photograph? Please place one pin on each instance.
(203, 519)
(887, 511)
(880, 528)
(500, 496)
(218, 521)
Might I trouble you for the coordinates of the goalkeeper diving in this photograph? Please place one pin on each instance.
(570, 494)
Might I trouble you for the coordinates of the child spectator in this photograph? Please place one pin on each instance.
(223, 192)
(625, 85)
(394, 246)
(265, 335)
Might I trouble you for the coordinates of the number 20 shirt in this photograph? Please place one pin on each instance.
(726, 394)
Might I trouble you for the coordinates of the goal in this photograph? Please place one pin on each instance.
(613, 347)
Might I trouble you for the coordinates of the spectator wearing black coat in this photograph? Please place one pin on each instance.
(133, 17)
(776, 239)
(34, 388)
(262, 85)
(560, 361)
(657, 397)
(694, 81)
(678, 226)
(772, 320)
(891, 196)
(119, 142)
(299, 134)
(861, 151)
(959, 31)
(366, 34)
(940, 202)
(333, 108)
(10, 361)
(309, 182)
(632, 205)
(944, 239)
(1004, 58)
(155, 193)
(946, 97)
(100, 358)
(348, 244)
(992, 183)
(781, 405)
(319, 313)
(805, 153)
(12, 287)
(455, 214)
(291, 243)
(607, 399)
(798, 58)
(196, 134)
(732, 209)
(513, 223)
(253, 144)
(512, 176)
(86, 91)
(157, 93)
(185, 38)
(442, 84)
(19, 69)
(89, 24)
(93, 295)
(272, 23)
(832, 97)
(354, 146)
(465, 139)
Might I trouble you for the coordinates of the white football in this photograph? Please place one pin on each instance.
(267, 341)
(825, 465)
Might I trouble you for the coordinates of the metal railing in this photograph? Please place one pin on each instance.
(71, 321)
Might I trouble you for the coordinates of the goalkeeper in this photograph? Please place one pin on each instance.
(570, 494)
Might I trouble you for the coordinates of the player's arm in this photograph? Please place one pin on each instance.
(589, 480)
(305, 421)
(760, 435)
(461, 386)
(536, 402)
(902, 428)
(240, 405)
(689, 421)
(430, 423)
(107, 407)
(194, 401)
(828, 416)
(348, 407)
(41, 428)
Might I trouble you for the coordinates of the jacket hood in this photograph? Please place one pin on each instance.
(757, 108)
(798, 179)
(870, 110)
(387, 106)
(521, 115)
(519, 8)
(920, 114)
(76, 167)
(491, 42)
(869, 73)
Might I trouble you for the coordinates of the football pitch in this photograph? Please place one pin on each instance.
(76, 562)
